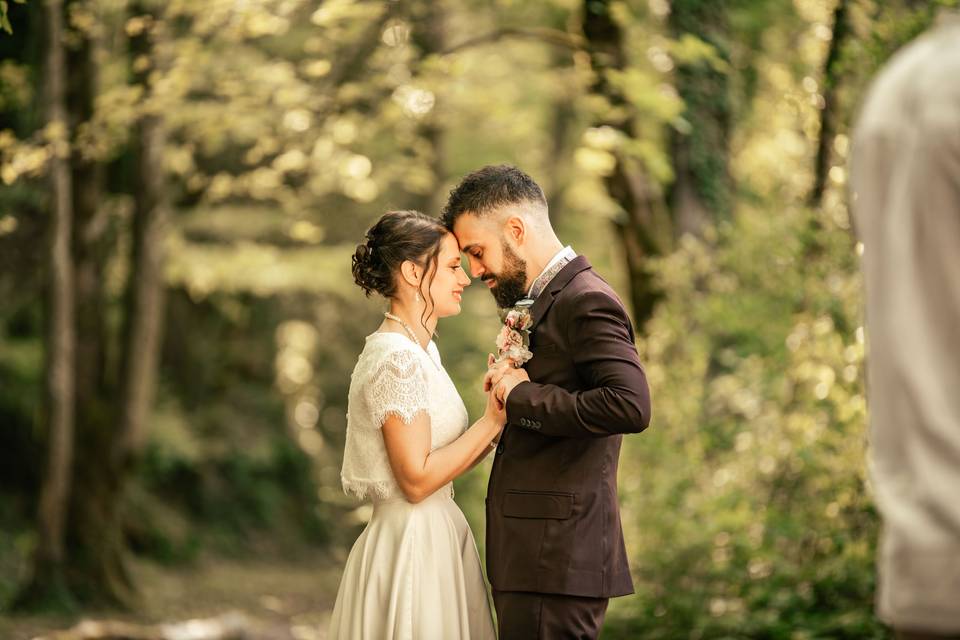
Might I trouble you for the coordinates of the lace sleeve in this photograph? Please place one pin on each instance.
(398, 386)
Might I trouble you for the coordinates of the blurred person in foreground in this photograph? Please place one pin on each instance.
(905, 181)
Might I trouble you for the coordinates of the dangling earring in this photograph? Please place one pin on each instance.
(416, 297)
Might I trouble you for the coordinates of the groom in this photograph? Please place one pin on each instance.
(555, 550)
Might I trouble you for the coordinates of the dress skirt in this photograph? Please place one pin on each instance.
(413, 574)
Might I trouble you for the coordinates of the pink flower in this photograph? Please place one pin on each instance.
(514, 339)
(513, 336)
(503, 338)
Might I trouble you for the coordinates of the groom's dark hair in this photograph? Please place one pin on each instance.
(490, 188)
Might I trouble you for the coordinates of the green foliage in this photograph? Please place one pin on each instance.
(746, 505)
(293, 125)
(4, 18)
(746, 498)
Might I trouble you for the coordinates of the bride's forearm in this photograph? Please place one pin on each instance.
(491, 446)
(450, 461)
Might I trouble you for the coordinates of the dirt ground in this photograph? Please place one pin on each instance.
(275, 600)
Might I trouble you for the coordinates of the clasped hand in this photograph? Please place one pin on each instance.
(501, 378)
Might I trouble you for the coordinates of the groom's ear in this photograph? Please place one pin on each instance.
(516, 229)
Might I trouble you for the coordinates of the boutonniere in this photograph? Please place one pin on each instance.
(513, 343)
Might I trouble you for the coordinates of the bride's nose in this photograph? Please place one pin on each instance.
(465, 279)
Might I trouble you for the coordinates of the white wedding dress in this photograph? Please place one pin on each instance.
(414, 572)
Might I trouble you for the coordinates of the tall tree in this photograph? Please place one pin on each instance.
(700, 190)
(430, 37)
(563, 119)
(829, 111)
(90, 249)
(48, 561)
(98, 566)
(145, 298)
(628, 182)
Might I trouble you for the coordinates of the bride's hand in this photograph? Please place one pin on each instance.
(495, 371)
(495, 410)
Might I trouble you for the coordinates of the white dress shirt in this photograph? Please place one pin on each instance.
(905, 182)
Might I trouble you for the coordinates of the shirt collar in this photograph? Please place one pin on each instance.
(566, 253)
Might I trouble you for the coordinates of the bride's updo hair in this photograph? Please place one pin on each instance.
(397, 236)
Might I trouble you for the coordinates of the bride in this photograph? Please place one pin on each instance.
(414, 572)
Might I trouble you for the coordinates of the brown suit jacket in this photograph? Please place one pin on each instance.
(553, 521)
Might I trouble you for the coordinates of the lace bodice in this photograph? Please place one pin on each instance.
(395, 376)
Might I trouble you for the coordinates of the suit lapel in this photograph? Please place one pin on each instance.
(545, 299)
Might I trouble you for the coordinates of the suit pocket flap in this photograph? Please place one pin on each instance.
(538, 504)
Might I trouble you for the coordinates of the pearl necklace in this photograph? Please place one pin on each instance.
(410, 333)
(403, 324)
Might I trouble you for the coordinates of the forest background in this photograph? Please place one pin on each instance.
(182, 184)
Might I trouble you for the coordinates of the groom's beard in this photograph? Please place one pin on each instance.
(511, 282)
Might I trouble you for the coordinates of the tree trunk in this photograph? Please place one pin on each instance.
(628, 184)
(46, 583)
(145, 301)
(701, 189)
(351, 63)
(90, 250)
(430, 36)
(145, 295)
(828, 114)
(98, 571)
(95, 571)
(563, 116)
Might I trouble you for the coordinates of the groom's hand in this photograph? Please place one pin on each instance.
(510, 379)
